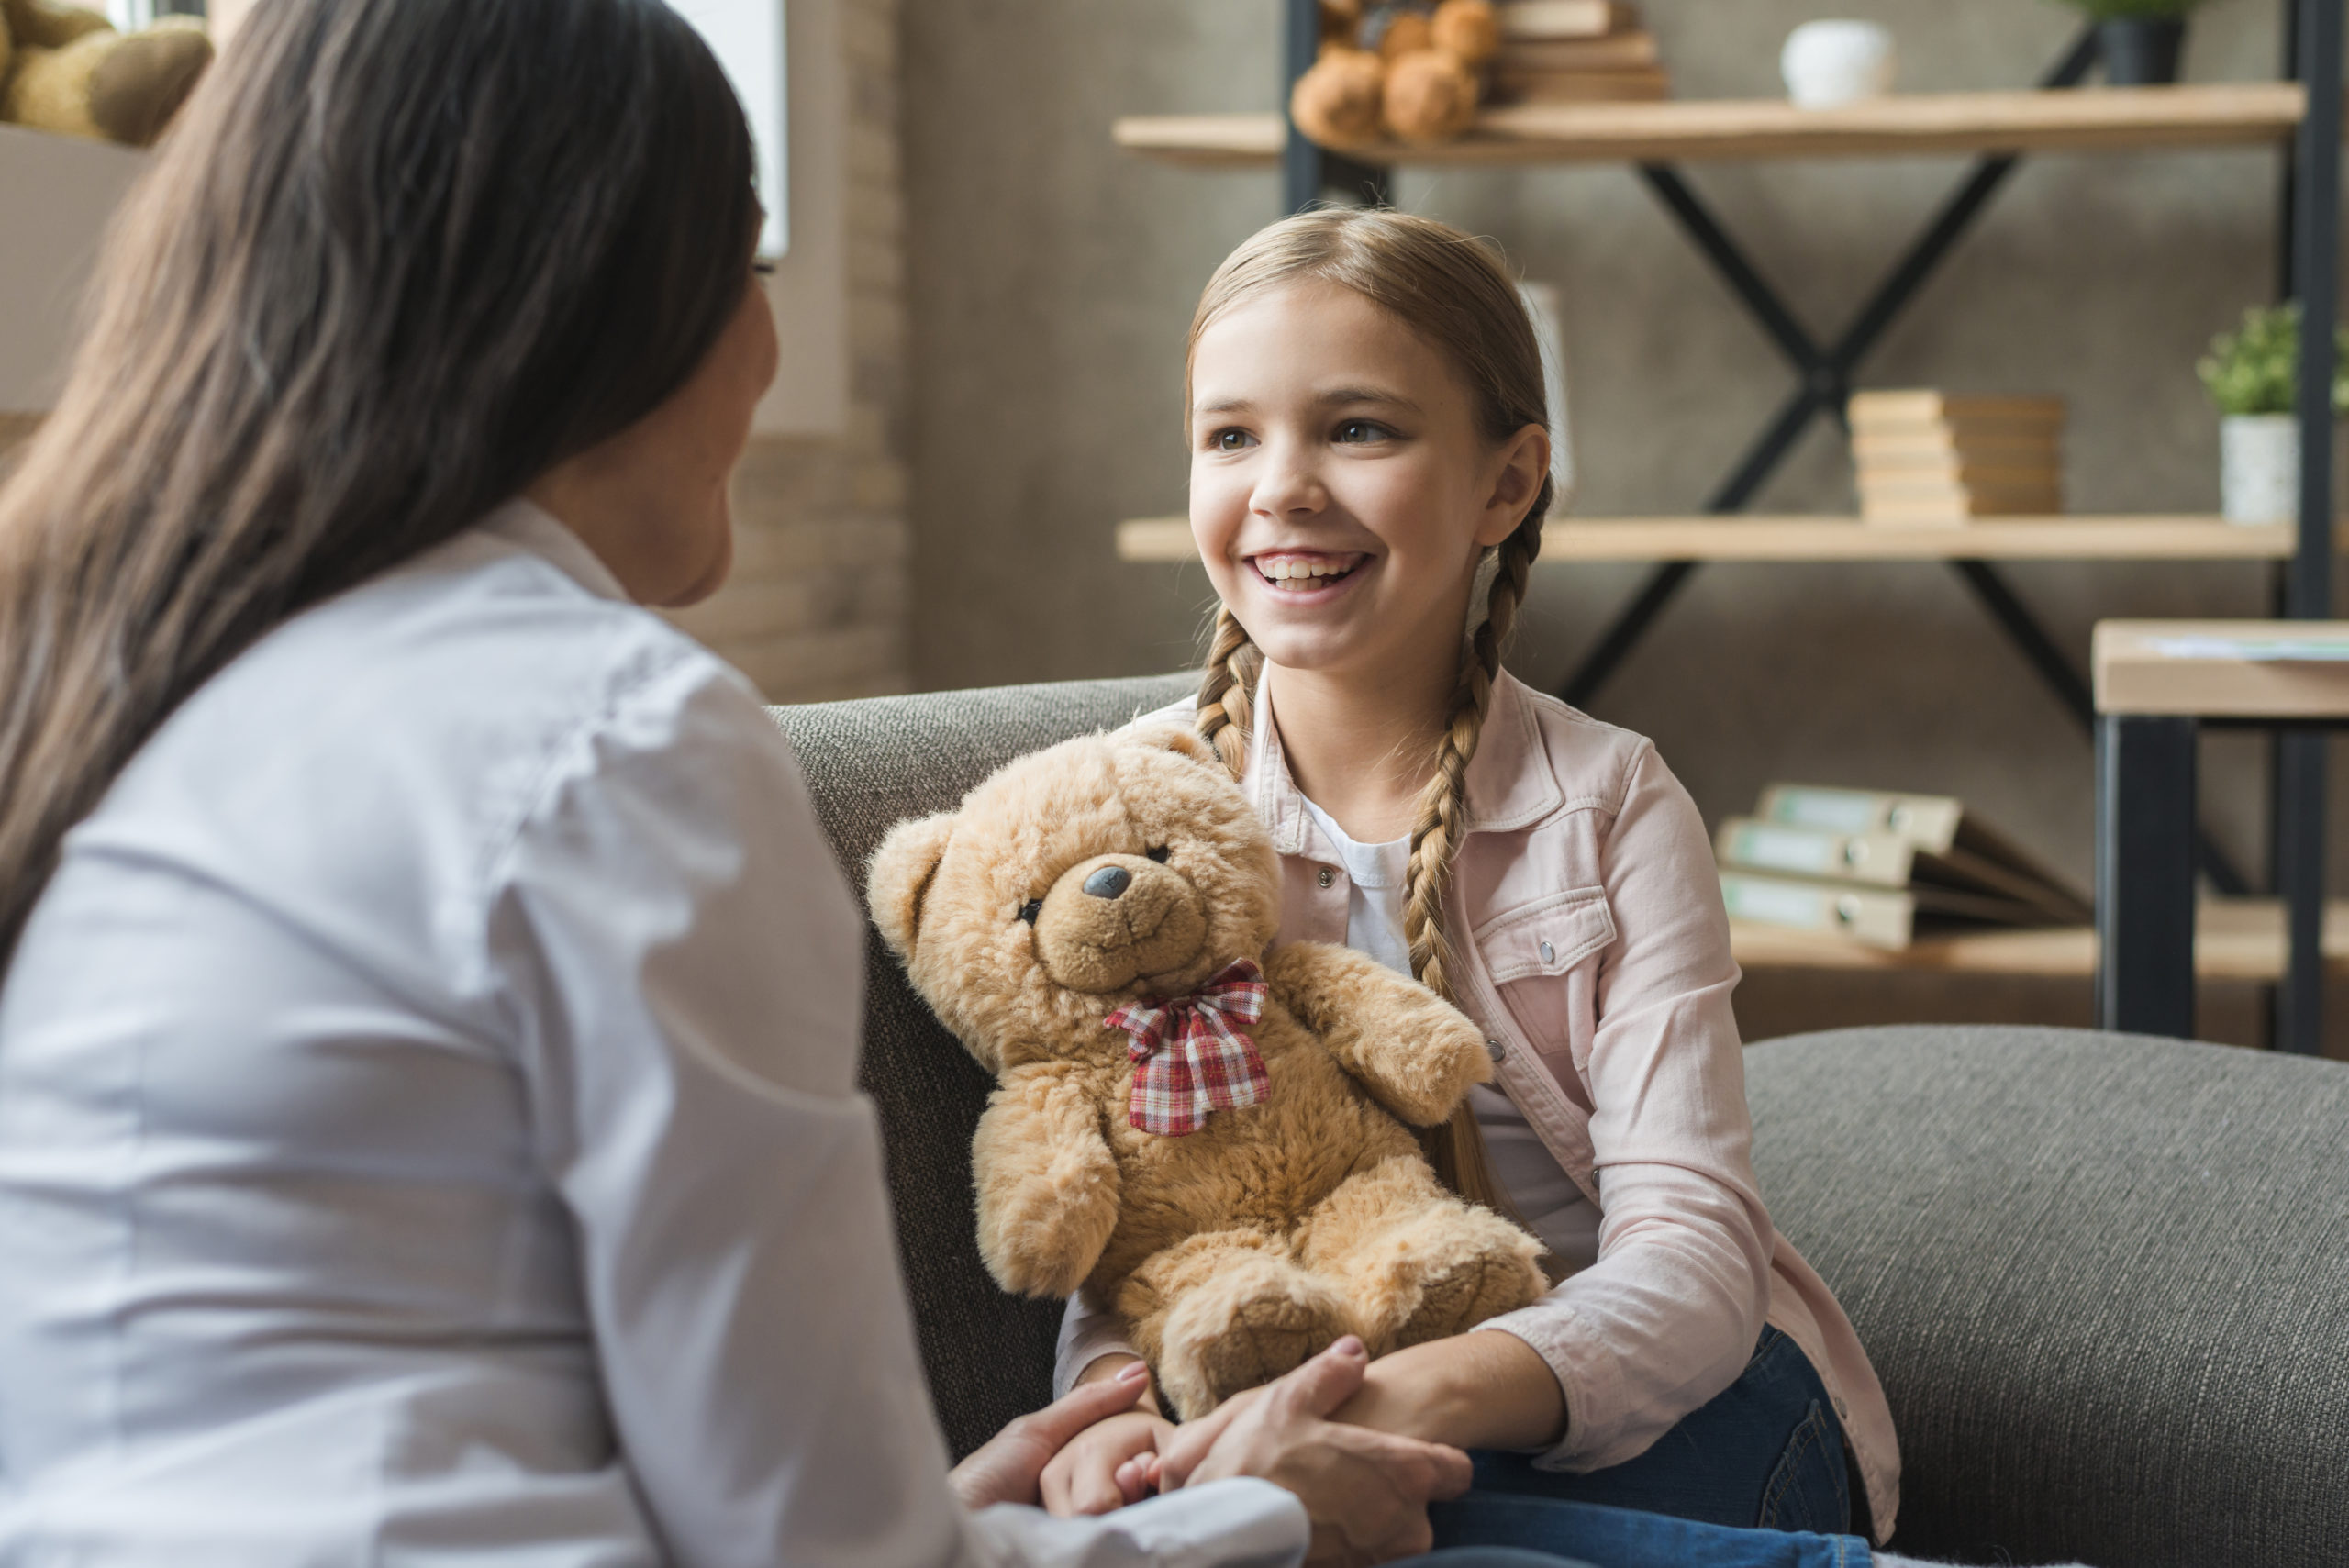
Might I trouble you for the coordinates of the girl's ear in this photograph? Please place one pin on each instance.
(898, 876)
(1522, 462)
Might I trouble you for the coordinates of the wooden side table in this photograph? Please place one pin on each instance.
(2157, 685)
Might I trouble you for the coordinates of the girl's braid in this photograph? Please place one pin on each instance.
(1226, 714)
(1456, 1149)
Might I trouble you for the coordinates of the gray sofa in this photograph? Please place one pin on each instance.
(2105, 1278)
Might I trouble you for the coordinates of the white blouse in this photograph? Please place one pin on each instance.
(428, 1128)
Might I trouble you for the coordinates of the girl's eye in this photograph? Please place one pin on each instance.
(1160, 855)
(1029, 910)
(1358, 430)
(1229, 441)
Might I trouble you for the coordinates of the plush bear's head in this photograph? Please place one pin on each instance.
(1087, 875)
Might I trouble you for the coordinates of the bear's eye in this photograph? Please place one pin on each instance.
(1029, 910)
(1160, 855)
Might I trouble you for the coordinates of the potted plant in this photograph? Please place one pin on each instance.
(2139, 40)
(2249, 374)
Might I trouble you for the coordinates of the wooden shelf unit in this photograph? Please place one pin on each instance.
(2301, 116)
(2235, 114)
(1795, 539)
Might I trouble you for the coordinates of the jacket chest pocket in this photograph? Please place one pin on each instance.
(1544, 960)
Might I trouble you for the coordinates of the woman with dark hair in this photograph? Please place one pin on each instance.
(427, 1063)
(428, 1128)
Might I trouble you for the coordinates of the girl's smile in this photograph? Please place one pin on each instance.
(1308, 575)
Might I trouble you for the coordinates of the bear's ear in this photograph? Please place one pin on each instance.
(1183, 741)
(899, 876)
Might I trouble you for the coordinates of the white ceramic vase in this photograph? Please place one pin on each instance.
(2259, 467)
(1831, 62)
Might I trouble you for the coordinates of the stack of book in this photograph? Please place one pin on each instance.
(1881, 870)
(1563, 52)
(1927, 456)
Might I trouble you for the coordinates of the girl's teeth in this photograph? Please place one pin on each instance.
(1286, 571)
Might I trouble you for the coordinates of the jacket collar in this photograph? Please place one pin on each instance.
(1511, 785)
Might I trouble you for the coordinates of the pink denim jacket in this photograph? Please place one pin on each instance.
(1595, 953)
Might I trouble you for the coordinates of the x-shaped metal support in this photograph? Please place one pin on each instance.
(1825, 388)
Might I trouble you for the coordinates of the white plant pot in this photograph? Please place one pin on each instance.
(1835, 61)
(2259, 467)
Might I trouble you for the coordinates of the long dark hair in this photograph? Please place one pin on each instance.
(398, 259)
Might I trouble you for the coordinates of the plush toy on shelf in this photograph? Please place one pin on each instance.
(1207, 1135)
(1401, 68)
(63, 68)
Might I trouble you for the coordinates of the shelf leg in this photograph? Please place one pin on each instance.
(2144, 874)
(1308, 173)
(2300, 867)
(2308, 589)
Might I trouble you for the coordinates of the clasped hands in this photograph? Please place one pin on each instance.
(1366, 1491)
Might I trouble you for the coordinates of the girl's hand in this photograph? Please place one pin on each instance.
(1473, 1390)
(1181, 1453)
(1107, 1466)
(1366, 1492)
(1009, 1467)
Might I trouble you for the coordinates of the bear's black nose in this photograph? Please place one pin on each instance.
(1109, 882)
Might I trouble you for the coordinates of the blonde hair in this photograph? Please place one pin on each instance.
(1454, 291)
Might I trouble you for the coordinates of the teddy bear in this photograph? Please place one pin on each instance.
(1402, 68)
(1210, 1136)
(63, 68)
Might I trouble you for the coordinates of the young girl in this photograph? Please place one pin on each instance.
(1369, 464)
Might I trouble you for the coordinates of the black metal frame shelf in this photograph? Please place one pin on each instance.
(2307, 222)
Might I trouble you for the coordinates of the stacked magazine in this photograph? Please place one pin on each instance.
(1882, 869)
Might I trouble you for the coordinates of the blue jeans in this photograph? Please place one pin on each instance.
(1766, 1453)
(1532, 1532)
(1486, 1557)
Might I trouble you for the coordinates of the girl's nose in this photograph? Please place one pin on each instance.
(1290, 484)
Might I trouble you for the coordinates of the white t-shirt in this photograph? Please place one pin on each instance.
(1545, 1197)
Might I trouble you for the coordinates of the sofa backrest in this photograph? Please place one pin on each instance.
(2104, 1278)
(870, 765)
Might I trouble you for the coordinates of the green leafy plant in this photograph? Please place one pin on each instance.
(2252, 369)
(2134, 10)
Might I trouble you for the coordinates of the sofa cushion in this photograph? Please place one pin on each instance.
(2104, 1278)
(869, 765)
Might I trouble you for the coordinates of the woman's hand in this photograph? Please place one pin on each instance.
(1366, 1492)
(1106, 1466)
(1009, 1467)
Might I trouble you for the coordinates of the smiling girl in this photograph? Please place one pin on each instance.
(1369, 462)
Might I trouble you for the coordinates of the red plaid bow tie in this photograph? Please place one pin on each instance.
(1189, 1060)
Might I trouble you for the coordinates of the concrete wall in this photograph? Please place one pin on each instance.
(1052, 280)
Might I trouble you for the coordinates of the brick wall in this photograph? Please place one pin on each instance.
(817, 606)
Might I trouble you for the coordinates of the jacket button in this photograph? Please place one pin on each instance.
(1496, 1049)
(1843, 1411)
(1548, 953)
(1325, 876)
